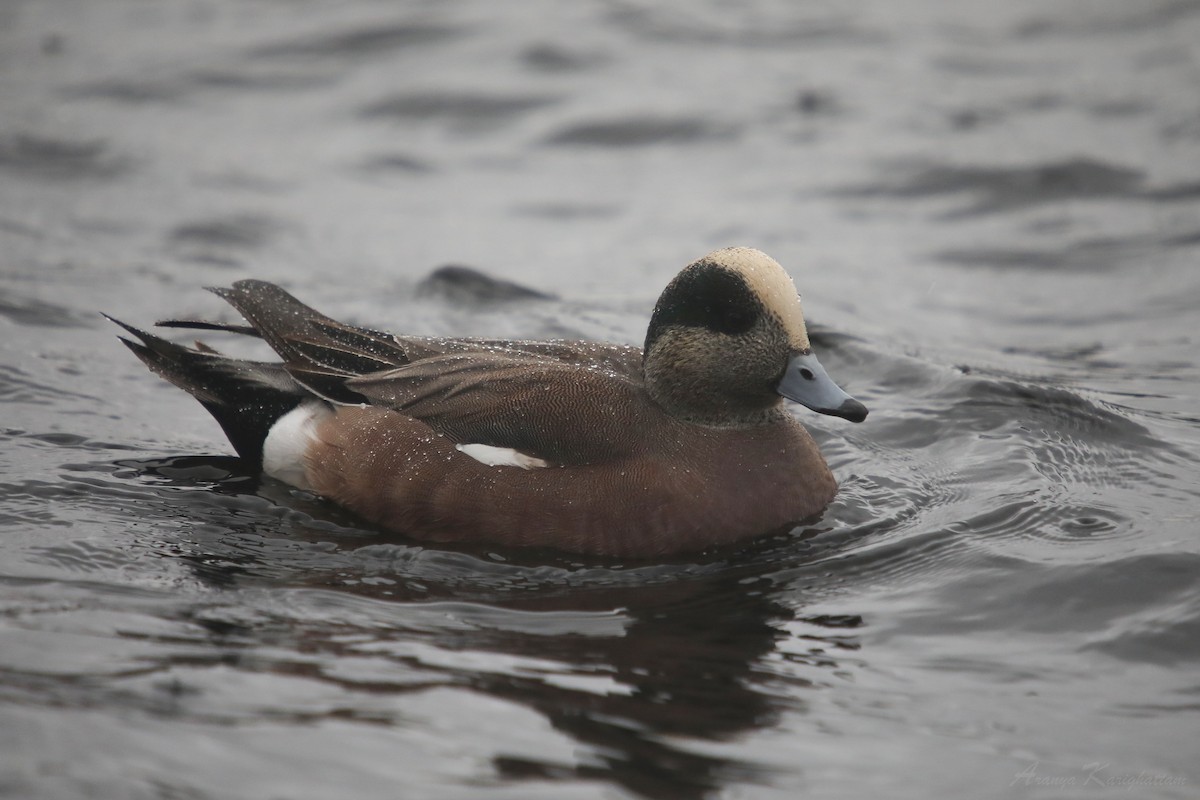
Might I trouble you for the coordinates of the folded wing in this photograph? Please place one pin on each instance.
(473, 391)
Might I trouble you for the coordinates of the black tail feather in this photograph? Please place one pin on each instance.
(245, 397)
(205, 325)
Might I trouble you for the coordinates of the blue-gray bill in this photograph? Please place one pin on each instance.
(807, 383)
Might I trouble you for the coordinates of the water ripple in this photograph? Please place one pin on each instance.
(170, 89)
(35, 312)
(45, 158)
(1084, 256)
(714, 24)
(640, 131)
(221, 241)
(361, 43)
(463, 109)
(18, 386)
(1151, 17)
(1001, 189)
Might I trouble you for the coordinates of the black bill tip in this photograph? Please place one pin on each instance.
(851, 409)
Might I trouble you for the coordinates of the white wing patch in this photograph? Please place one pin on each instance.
(501, 456)
(287, 442)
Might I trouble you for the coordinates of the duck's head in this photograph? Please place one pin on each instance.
(727, 341)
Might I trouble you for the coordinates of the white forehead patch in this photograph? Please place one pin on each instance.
(770, 281)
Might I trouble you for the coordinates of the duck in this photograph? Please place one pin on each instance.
(681, 445)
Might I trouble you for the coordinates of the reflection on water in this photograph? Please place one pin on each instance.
(991, 212)
(622, 660)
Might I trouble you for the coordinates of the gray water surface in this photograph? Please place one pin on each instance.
(992, 212)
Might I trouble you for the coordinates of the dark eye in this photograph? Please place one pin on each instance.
(806, 373)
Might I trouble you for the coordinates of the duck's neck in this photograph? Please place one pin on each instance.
(694, 396)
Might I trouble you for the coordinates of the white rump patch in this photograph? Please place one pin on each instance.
(287, 442)
(500, 456)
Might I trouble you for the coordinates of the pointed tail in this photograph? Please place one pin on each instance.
(245, 397)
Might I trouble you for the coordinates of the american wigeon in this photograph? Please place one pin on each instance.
(581, 446)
